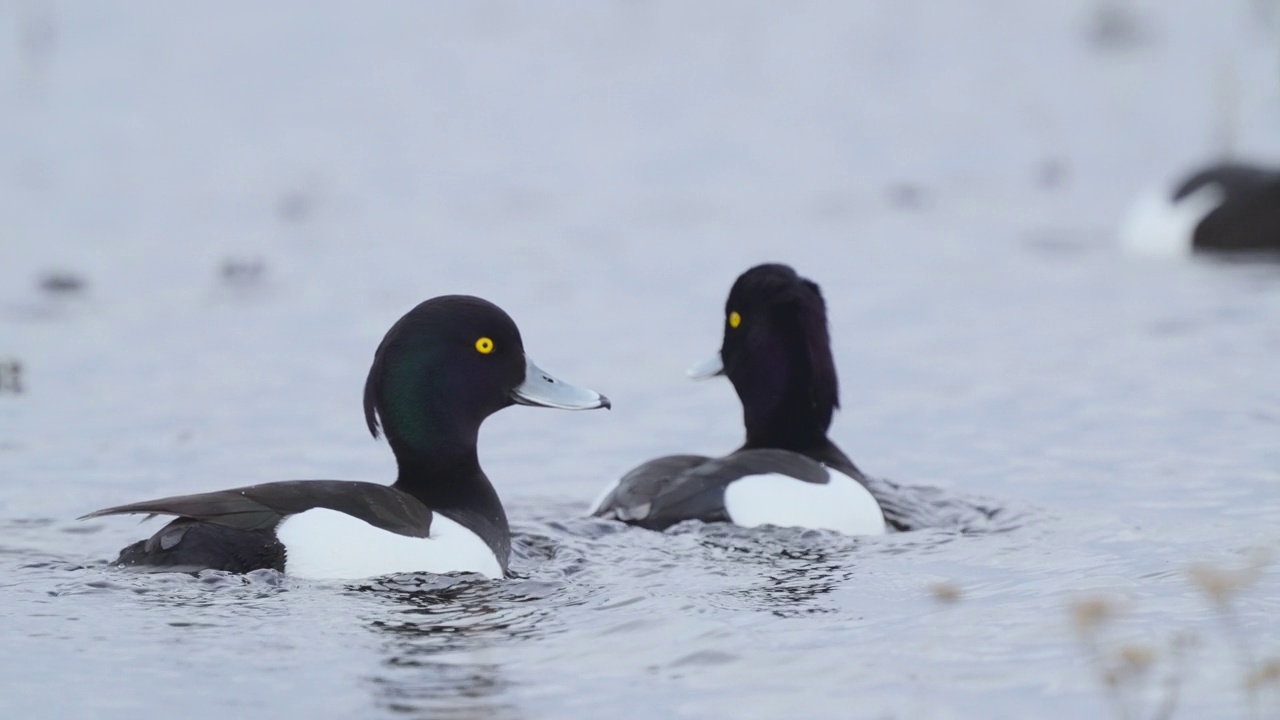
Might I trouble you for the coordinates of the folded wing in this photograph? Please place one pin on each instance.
(263, 507)
(665, 491)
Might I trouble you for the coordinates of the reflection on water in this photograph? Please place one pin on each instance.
(426, 689)
(795, 581)
(210, 328)
(444, 640)
(430, 666)
(447, 640)
(919, 507)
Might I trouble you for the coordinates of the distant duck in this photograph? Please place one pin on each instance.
(1223, 208)
(440, 371)
(777, 353)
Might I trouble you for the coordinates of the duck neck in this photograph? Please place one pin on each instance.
(811, 442)
(435, 446)
(787, 402)
(443, 473)
(790, 424)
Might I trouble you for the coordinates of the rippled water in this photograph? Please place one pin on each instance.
(251, 195)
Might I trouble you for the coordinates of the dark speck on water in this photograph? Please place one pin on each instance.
(295, 206)
(1052, 173)
(1116, 25)
(10, 377)
(1086, 444)
(62, 283)
(908, 196)
(242, 272)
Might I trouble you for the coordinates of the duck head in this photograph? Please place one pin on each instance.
(777, 353)
(448, 364)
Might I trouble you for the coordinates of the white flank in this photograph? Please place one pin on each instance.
(595, 504)
(1157, 226)
(841, 504)
(326, 544)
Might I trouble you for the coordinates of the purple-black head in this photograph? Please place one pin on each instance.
(777, 353)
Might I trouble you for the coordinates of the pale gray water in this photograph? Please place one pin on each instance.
(951, 173)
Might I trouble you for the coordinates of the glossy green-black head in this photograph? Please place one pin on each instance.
(777, 353)
(448, 364)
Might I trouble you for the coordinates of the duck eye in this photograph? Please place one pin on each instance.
(484, 346)
(734, 319)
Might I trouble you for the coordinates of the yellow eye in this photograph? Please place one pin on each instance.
(484, 346)
(734, 319)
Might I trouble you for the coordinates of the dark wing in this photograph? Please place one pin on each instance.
(187, 545)
(631, 498)
(262, 507)
(1247, 221)
(663, 492)
(1234, 178)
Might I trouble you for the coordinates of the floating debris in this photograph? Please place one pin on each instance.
(1221, 585)
(1137, 657)
(1090, 613)
(1116, 25)
(295, 206)
(946, 592)
(1268, 673)
(11, 377)
(908, 196)
(37, 35)
(62, 283)
(242, 272)
(1052, 173)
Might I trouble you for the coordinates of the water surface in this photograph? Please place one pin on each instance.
(251, 195)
